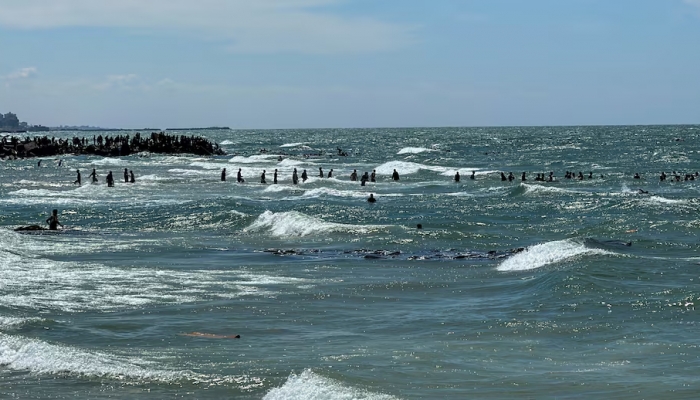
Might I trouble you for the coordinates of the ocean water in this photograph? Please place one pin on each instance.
(336, 298)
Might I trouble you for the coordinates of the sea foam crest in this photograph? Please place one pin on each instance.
(311, 386)
(414, 150)
(548, 253)
(22, 354)
(406, 167)
(293, 223)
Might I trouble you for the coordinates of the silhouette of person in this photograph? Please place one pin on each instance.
(53, 221)
(457, 177)
(304, 176)
(262, 177)
(371, 199)
(131, 174)
(126, 176)
(395, 176)
(93, 175)
(223, 175)
(77, 180)
(274, 177)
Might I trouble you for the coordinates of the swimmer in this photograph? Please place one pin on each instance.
(77, 180)
(53, 221)
(60, 162)
(304, 176)
(274, 177)
(131, 174)
(395, 176)
(371, 199)
(320, 172)
(373, 176)
(223, 175)
(510, 177)
(419, 226)
(93, 175)
(295, 178)
(643, 191)
(126, 176)
(262, 177)
(353, 176)
(38, 164)
(503, 177)
(473, 175)
(330, 173)
(457, 177)
(364, 179)
(636, 176)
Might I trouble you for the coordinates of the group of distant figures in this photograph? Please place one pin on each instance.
(366, 177)
(128, 177)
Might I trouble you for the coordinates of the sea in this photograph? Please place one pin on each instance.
(575, 288)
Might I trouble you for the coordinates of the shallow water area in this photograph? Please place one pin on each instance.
(572, 288)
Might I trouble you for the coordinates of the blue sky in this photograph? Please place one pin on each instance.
(350, 63)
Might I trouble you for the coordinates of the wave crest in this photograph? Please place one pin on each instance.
(544, 254)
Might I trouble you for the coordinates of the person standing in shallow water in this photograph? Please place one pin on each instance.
(133, 178)
(330, 173)
(223, 175)
(295, 177)
(320, 172)
(126, 176)
(274, 177)
(457, 177)
(395, 175)
(53, 221)
(262, 178)
(77, 180)
(304, 176)
(110, 179)
(239, 177)
(93, 175)
(371, 198)
(353, 176)
(373, 176)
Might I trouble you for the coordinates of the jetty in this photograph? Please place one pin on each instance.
(13, 147)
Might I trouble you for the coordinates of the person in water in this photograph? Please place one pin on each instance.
(330, 173)
(126, 176)
(223, 175)
(353, 176)
(373, 176)
(77, 180)
(473, 176)
(320, 172)
(395, 175)
(364, 179)
(53, 221)
(131, 175)
(304, 176)
(295, 178)
(239, 177)
(274, 177)
(523, 178)
(371, 199)
(93, 175)
(262, 178)
(110, 179)
(503, 177)
(636, 175)
(457, 177)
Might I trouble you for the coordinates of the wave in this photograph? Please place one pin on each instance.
(227, 143)
(10, 323)
(544, 254)
(319, 192)
(544, 189)
(206, 165)
(414, 150)
(309, 385)
(256, 159)
(292, 144)
(406, 168)
(293, 223)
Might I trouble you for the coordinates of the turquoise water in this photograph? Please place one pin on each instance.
(357, 302)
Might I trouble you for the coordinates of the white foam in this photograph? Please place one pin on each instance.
(207, 165)
(663, 200)
(293, 223)
(311, 386)
(227, 143)
(109, 161)
(9, 323)
(544, 254)
(544, 189)
(288, 162)
(292, 144)
(414, 150)
(406, 168)
(256, 159)
(188, 172)
(319, 192)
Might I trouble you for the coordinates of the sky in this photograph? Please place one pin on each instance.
(261, 64)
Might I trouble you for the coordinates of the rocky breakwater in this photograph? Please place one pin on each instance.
(108, 146)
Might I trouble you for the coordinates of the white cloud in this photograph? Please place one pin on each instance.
(251, 26)
(22, 73)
